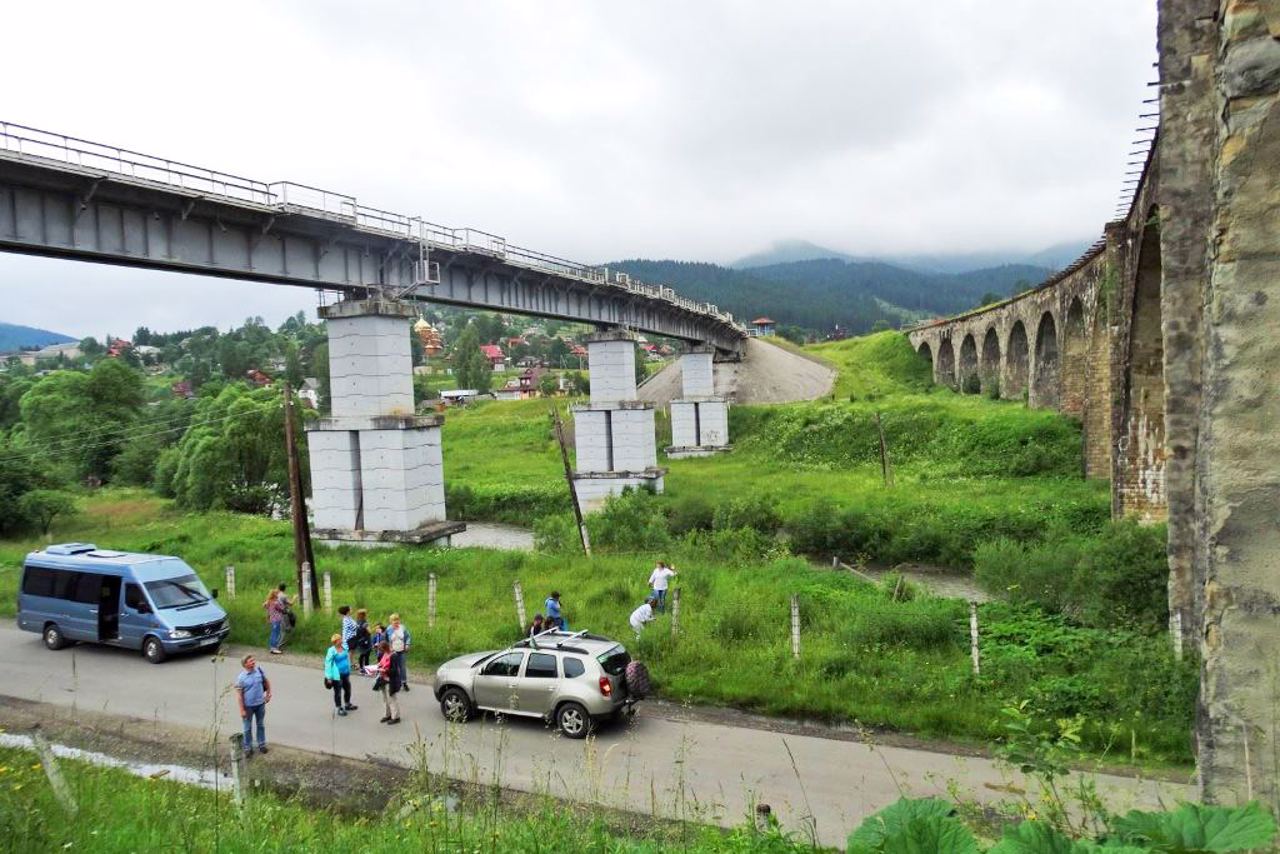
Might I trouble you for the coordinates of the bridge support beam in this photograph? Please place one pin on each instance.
(376, 469)
(613, 434)
(700, 420)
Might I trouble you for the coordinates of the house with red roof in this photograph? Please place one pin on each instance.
(764, 326)
(494, 354)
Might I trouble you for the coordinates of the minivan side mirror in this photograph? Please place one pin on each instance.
(214, 593)
(142, 608)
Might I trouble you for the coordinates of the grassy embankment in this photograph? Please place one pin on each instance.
(120, 812)
(902, 665)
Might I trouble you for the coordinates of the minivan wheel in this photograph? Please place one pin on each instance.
(53, 638)
(153, 650)
(573, 720)
(454, 705)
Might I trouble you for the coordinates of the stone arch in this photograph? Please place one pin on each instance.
(946, 365)
(925, 352)
(1073, 359)
(969, 380)
(1141, 450)
(1046, 384)
(990, 367)
(1017, 358)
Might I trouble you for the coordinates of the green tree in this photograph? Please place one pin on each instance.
(91, 347)
(320, 365)
(232, 457)
(42, 506)
(20, 472)
(548, 385)
(470, 367)
(293, 365)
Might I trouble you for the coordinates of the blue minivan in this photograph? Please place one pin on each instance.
(155, 603)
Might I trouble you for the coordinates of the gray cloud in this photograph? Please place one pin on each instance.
(592, 130)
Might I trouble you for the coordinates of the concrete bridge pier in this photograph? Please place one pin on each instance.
(376, 469)
(699, 420)
(613, 434)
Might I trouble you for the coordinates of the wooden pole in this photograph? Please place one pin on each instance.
(307, 592)
(302, 555)
(973, 638)
(328, 593)
(675, 612)
(885, 469)
(431, 601)
(795, 627)
(573, 489)
(520, 615)
(231, 582)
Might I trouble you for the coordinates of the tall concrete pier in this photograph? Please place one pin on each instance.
(613, 434)
(376, 468)
(700, 419)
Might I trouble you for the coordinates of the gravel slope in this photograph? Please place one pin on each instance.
(766, 374)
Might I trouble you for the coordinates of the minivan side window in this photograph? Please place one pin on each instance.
(540, 666)
(573, 667)
(37, 581)
(134, 599)
(87, 588)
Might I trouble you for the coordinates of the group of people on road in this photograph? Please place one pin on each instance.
(381, 652)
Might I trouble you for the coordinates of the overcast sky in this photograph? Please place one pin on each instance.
(596, 130)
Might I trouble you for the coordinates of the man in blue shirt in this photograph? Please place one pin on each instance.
(552, 607)
(253, 692)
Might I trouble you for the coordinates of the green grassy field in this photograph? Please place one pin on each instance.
(899, 665)
(119, 812)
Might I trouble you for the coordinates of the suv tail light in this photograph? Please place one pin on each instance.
(606, 687)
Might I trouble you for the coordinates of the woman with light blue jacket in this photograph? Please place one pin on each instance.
(337, 675)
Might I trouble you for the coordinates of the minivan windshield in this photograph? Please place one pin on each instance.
(176, 592)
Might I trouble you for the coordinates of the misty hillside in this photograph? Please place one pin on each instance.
(820, 294)
(788, 251)
(14, 337)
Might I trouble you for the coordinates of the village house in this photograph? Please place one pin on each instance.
(494, 354)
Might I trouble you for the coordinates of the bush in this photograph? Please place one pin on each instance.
(1117, 578)
(757, 512)
(690, 512)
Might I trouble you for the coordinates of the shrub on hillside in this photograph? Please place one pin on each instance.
(1116, 578)
(689, 511)
(756, 511)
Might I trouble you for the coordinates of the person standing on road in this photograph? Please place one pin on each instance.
(388, 684)
(275, 618)
(399, 638)
(659, 580)
(337, 671)
(348, 625)
(361, 641)
(642, 615)
(253, 692)
(555, 618)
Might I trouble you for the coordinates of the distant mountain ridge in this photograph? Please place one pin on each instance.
(14, 337)
(822, 293)
(789, 251)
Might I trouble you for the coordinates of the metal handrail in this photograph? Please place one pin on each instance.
(28, 142)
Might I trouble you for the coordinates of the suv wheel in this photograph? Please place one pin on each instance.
(573, 720)
(454, 705)
(53, 638)
(153, 650)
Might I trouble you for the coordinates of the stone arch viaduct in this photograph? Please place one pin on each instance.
(1164, 339)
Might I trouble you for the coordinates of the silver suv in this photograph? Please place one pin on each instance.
(571, 678)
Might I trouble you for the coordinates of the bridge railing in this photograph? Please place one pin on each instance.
(92, 157)
(96, 157)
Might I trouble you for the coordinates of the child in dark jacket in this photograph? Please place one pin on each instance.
(362, 641)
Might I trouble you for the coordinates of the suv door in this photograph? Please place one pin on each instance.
(537, 689)
(495, 684)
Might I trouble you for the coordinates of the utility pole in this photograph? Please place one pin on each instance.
(573, 490)
(302, 555)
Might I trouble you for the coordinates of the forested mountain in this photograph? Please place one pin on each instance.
(14, 337)
(821, 294)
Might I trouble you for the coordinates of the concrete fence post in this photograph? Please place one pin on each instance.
(431, 601)
(835, 561)
(675, 612)
(231, 582)
(520, 606)
(326, 591)
(237, 769)
(51, 770)
(795, 627)
(306, 589)
(973, 638)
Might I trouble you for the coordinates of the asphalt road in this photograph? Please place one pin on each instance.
(653, 765)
